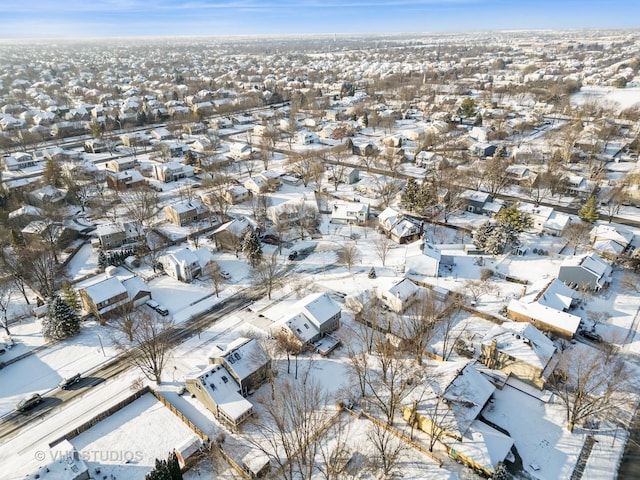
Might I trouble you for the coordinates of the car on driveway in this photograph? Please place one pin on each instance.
(67, 382)
(157, 307)
(589, 335)
(224, 274)
(293, 255)
(28, 402)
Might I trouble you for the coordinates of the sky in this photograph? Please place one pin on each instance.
(125, 18)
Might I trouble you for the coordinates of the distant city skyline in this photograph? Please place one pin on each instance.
(126, 18)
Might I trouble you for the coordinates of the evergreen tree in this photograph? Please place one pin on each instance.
(589, 211)
(174, 466)
(52, 174)
(60, 320)
(515, 218)
(16, 239)
(251, 246)
(70, 296)
(102, 260)
(409, 197)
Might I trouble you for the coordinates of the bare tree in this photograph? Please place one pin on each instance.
(288, 431)
(387, 447)
(389, 380)
(576, 234)
(348, 255)
(590, 385)
(141, 205)
(418, 326)
(150, 348)
(382, 245)
(215, 274)
(477, 288)
(40, 268)
(268, 274)
(6, 291)
(334, 453)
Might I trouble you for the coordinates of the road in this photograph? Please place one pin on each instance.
(13, 423)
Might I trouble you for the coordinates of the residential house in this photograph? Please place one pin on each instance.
(539, 214)
(519, 350)
(256, 185)
(450, 408)
(186, 212)
(124, 180)
(121, 164)
(161, 133)
(46, 195)
(111, 235)
(240, 150)
(585, 271)
(610, 240)
(422, 259)
(545, 309)
(556, 224)
(172, 171)
(247, 362)
(110, 293)
(228, 236)
(49, 231)
(312, 321)
(349, 213)
(481, 203)
(95, 145)
(483, 149)
(399, 228)
(519, 174)
(184, 265)
(349, 175)
(18, 161)
(305, 137)
(363, 149)
(220, 393)
(235, 194)
(397, 296)
(292, 211)
(475, 201)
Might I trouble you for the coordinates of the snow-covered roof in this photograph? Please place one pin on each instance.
(522, 341)
(543, 314)
(554, 294)
(319, 307)
(26, 210)
(540, 211)
(483, 444)
(105, 289)
(620, 235)
(104, 229)
(220, 385)
(134, 286)
(404, 289)
(460, 388)
(302, 327)
(68, 464)
(244, 356)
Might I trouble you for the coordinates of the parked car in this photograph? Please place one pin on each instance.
(67, 382)
(28, 402)
(224, 274)
(293, 255)
(152, 303)
(157, 307)
(589, 335)
(162, 310)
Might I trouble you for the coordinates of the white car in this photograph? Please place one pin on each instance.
(224, 274)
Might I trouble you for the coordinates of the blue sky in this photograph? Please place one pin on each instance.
(108, 18)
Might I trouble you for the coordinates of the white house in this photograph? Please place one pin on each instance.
(349, 212)
(185, 265)
(422, 258)
(399, 295)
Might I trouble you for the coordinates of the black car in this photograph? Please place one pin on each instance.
(293, 255)
(589, 335)
(67, 382)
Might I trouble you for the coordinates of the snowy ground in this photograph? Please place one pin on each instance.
(127, 443)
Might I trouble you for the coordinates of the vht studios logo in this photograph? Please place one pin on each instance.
(112, 456)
